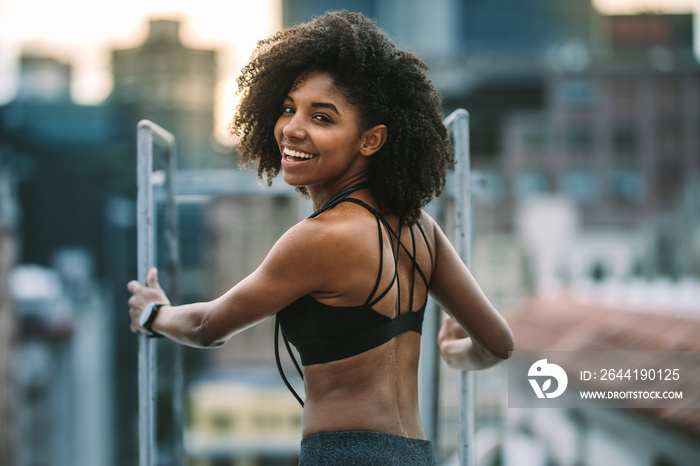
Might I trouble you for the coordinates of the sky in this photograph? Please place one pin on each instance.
(83, 31)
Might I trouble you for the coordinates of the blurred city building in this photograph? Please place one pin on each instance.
(584, 130)
(65, 156)
(599, 435)
(620, 137)
(584, 134)
(43, 79)
(246, 414)
(9, 252)
(63, 364)
(173, 85)
(563, 100)
(487, 57)
(74, 170)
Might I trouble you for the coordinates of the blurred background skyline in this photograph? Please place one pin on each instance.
(82, 33)
(585, 149)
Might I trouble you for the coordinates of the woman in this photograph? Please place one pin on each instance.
(354, 123)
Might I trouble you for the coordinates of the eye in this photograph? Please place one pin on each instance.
(322, 118)
(287, 109)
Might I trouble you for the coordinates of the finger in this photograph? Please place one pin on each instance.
(133, 286)
(449, 324)
(134, 304)
(443, 333)
(152, 278)
(452, 329)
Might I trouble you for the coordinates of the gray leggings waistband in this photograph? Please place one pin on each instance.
(365, 448)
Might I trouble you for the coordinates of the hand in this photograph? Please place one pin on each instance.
(142, 296)
(450, 331)
(453, 341)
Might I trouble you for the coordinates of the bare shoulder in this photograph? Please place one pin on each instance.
(319, 249)
(341, 227)
(429, 227)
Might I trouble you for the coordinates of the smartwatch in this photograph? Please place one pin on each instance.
(148, 315)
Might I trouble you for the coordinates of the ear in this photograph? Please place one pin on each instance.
(372, 140)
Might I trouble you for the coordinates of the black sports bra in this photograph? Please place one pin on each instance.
(322, 333)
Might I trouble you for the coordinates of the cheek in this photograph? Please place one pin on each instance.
(278, 129)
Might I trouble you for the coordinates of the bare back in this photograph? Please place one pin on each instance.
(375, 390)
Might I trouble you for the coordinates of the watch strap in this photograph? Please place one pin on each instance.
(149, 314)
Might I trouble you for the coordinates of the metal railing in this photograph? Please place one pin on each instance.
(151, 138)
(151, 135)
(458, 124)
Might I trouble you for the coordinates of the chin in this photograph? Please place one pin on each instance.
(289, 180)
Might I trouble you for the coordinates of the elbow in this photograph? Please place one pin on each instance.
(505, 347)
(205, 335)
(214, 343)
(209, 342)
(497, 348)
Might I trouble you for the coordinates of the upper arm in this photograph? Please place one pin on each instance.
(295, 266)
(456, 291)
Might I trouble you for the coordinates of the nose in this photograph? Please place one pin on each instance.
(293, 128)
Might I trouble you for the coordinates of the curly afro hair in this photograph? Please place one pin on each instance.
(386, 84)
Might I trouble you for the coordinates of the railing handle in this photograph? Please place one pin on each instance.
(458, 122)
(148, 133)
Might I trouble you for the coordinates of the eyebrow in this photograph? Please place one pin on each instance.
(319, 105)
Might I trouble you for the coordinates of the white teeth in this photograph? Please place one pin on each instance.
(301, 155)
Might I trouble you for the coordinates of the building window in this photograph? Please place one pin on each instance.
(627, 186)
(221, 423)
(669, 178)
(579, 94)
(531, 183)
(579, 140)
(535, 141)
(625, 140)
(669, 138)
(267, 421)
(581, 186)
(623, 95)
(668, 94)
(598, 271)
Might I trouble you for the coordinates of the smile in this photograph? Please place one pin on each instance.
(291, 155)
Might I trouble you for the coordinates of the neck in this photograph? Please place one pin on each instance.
(320, 195)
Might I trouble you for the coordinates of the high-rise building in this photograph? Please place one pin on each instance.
(620, 137)
(171, 84)
(487, 57)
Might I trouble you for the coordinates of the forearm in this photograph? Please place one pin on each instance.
(188, 324)
(465, 354)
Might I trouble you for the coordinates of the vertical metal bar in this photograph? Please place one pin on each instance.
(145, 255)
(459, 123)
(430, 372)
(173, 267)
(146, 134)
(430, 355)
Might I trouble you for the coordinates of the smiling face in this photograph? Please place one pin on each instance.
(321, 140)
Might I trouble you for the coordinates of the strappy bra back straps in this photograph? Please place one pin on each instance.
(324, 333)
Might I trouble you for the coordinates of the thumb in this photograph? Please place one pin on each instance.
(152, 278)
